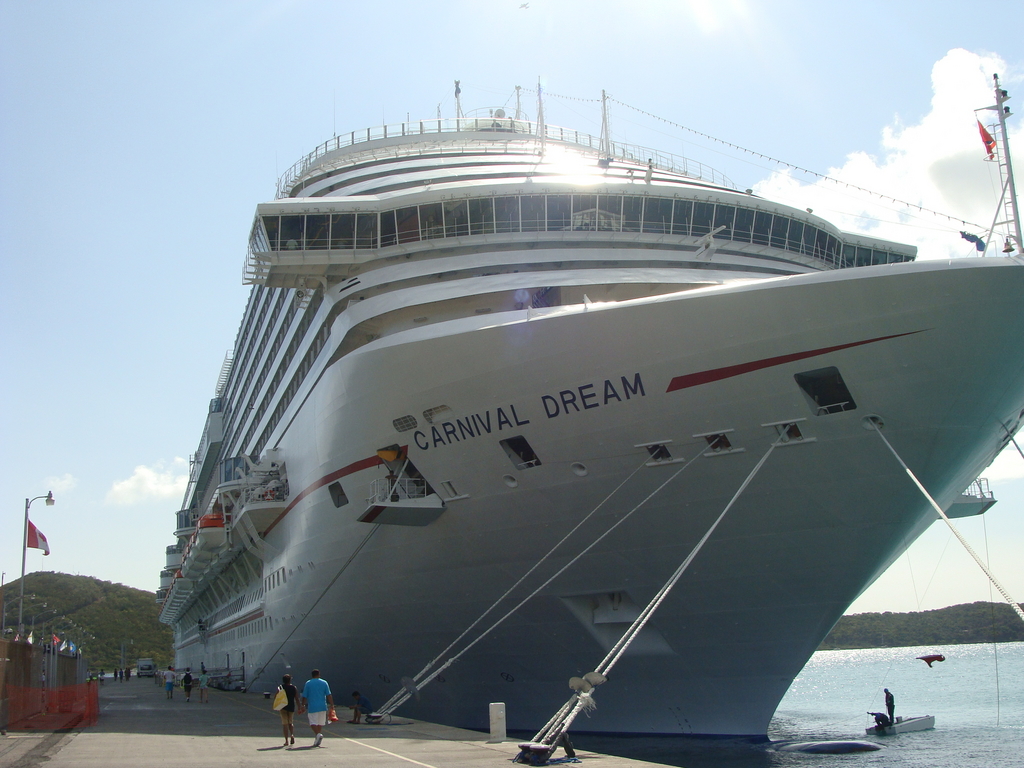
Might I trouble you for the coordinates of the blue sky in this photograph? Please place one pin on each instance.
(137, 138)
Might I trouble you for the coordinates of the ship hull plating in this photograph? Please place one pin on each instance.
(928, 349)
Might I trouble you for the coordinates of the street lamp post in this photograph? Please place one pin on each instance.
(24, 554)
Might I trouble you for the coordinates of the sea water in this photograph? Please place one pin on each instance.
(976, 696)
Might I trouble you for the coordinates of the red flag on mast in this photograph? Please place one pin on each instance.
(990, 143)
(36, 540)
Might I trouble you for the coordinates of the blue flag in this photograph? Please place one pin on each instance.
(978, 242)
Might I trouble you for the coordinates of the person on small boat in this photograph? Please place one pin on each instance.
(881, 720)
(890, 705)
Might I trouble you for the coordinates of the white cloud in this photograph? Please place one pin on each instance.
(162, 480)
(1009, 465)
(62, 484)
(937, 163)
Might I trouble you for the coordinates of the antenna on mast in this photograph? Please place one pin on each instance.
(519, 108)
(458, 100)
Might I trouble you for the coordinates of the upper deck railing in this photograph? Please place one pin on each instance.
(520, 128)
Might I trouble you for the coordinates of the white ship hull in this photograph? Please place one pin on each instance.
(931, 349)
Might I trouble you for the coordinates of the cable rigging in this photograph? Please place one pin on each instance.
(554, 731)
(414, 685)
(761, 155)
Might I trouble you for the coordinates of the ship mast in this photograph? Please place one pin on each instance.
(1012, 218)
(541, 129)
(606, 139)
(458, 100)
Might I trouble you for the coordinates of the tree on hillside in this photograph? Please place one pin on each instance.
(97, 615)
(969, 623)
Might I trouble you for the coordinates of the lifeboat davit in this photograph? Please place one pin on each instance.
(191, 566)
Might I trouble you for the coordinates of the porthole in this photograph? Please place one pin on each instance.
(510, 481)
(579, 470)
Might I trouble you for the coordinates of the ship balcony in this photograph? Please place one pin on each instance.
(161, 595)
(173, 557)
(260, 506)
(974, 501)
(167, 577)
(402, 501)
(186, 523)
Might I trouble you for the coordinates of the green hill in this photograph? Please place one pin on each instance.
(99, 616)
(96, 615)
(967, 623)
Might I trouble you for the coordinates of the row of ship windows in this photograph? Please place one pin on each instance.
(297, 335)
(308, 358)
(538, 213)
(274, 580)
(234, 606)
(233, 424)
(253, 627)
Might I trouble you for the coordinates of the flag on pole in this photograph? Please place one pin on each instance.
(64, 645)
(72, 647)
(31, 637)
(990, 143)
(978, 242)
(55, 640)
(36, 540)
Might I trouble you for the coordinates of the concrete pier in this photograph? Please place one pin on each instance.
(140, 728)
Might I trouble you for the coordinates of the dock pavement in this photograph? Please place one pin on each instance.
(140, 728)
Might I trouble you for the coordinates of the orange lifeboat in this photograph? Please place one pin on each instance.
(210, 533)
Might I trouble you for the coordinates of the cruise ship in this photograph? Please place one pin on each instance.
(470, 337)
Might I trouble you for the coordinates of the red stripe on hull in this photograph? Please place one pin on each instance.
(717, 374)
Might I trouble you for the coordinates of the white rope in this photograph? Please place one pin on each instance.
(553, 730)
(1014, 441)
(403, 695)
(821, 176)
(942, 514)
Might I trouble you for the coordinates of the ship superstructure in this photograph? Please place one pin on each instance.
(466, 335)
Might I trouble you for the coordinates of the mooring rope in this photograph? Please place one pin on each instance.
(942, 514)
(403, 695)
(420, 681)
(992, 625)
(556, 727)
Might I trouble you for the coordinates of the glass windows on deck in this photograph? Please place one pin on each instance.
(560, 213)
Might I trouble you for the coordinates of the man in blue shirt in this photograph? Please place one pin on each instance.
(360, 707)
(316, 698)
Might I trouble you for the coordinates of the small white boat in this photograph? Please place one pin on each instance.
(903, 725)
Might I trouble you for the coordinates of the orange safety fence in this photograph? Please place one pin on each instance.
(66, 706)
(42, 688)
